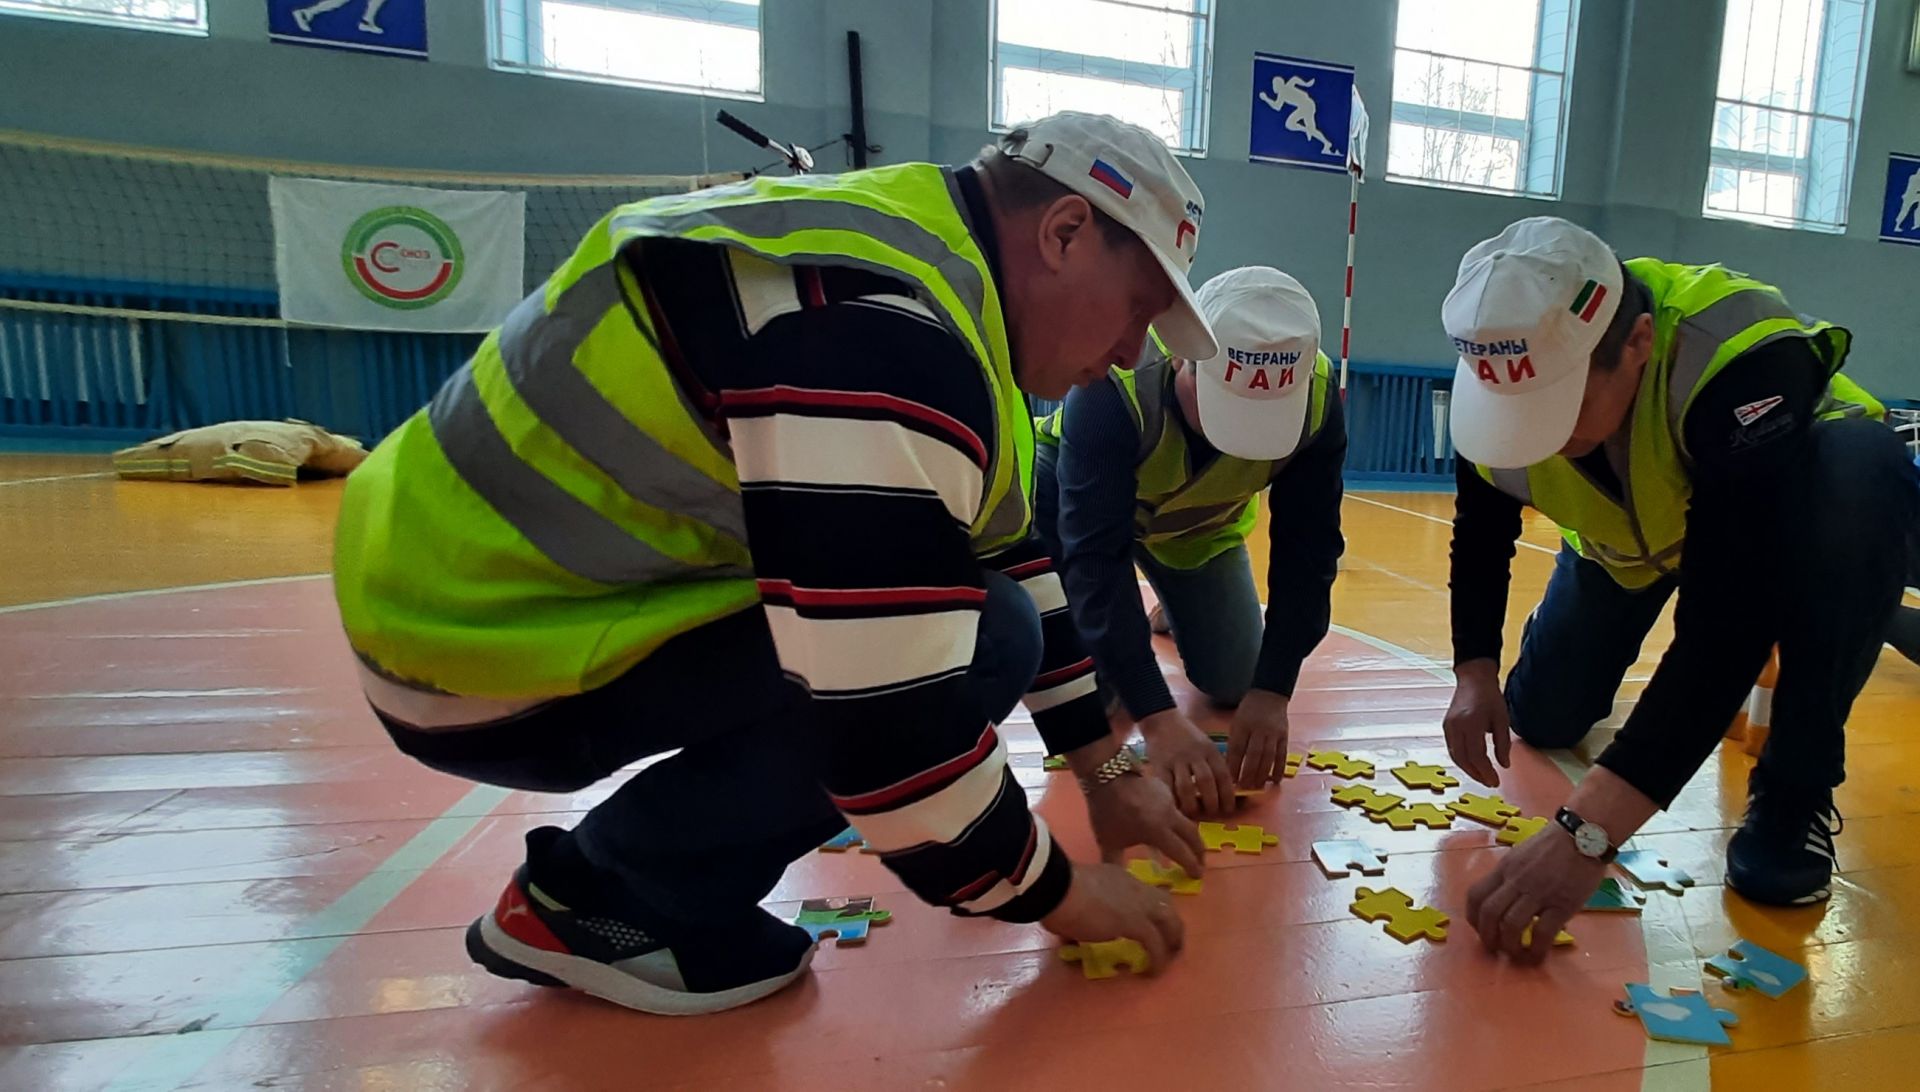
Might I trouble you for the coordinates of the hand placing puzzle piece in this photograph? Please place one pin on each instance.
(1104, 958)
(1650, 870)
(1682, 1017)
(1748, 966)
(1341, 856)
(1245, 838)
(1613, 897)
(1409, 816)
(1339, 765)
(1366, 798)
(1405, 923)
(1519, 830)
(1490, 810)
(1415, 776)
(846, 919)
(1172, 877)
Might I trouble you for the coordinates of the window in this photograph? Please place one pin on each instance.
(1784, 112)
(189, 16)
(1143, 61)
(1480, 94)
(707, 46)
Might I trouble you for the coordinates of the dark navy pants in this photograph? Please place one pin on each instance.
(1845, 564)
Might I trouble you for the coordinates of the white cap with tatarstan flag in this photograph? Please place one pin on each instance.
(1254, 393)
(1129, 174)
(1525, 314)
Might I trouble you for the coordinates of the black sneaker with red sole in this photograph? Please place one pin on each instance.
(533, 937)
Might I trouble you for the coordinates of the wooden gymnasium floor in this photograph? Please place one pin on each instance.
(215, 873)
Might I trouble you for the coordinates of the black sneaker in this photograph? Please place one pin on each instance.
(533, 937)
(1782, 855)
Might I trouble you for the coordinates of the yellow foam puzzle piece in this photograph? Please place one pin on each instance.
(1415, 776)
(1172, 877)
(1519, 830)
(1560, 939)
(1293, 765)
(1405, 922)
(1490, 810)
(1245, 838)
(1338, 764)
(1366, 798)
(1431, 816)
(1104, 958)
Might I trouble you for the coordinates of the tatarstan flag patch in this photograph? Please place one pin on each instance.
(1587, 303)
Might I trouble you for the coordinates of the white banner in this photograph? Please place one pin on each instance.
(373, 257)
(1357, 137)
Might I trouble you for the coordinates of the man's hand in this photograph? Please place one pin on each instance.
(1105, 903)
(1543, 877)
(1479, 710)
(1139, 811)
(1185, 759)
(1257, 743)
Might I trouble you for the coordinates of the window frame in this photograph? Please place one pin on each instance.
(30, 9)
(506, 56)
(1094, 66)
(1527, 132)
(1807, 170)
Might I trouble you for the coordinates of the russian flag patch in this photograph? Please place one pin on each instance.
(1105, 174)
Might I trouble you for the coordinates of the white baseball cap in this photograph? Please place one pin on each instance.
(1128, 173)
(1525, 314)
(1254, 392)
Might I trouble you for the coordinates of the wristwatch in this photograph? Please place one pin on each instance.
(1588, 838)
(1121, 764)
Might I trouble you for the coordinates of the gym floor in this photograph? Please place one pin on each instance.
(216, 873)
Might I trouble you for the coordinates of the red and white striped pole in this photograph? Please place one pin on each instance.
(1346, 316)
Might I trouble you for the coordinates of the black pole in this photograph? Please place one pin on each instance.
(856, 91)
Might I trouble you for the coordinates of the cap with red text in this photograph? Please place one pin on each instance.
(1525, 314)
(1253, 395)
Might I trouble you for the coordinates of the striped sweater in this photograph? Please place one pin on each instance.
(860, 429)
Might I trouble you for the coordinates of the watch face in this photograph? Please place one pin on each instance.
(1590, 840)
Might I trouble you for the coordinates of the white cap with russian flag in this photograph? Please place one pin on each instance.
(1129, 174)
(1525, 314)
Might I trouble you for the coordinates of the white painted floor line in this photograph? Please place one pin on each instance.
(1430, 518)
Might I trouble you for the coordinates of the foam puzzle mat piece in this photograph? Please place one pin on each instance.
(1561, 939)
(1366, 798)
(1682, 1016)
(1245, 838)
(1293, 765)
(1650, 870)
(1338, 764)
(845, 919)
(1416, 776)
(1747, 966)
(1490, 810)
(1339, 857)
(1405, 922)
(1170, 876)
(1408, 816)
(1105, 958)
(1519, 830)
(1614, 897)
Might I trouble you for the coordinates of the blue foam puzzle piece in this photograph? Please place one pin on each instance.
(1680, 1018)
(846, 839)
(1749, 966)
(848, 930)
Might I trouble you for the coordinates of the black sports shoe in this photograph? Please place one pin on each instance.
(534, 937)
(1782, 855)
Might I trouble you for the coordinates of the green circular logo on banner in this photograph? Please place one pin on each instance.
(402, 257)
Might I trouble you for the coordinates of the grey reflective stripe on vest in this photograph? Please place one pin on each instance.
(1186, 519)
(558, 524)
(1658, 561)
(537, 346)
(1699, 336)
(776, 218)
(1513, 483)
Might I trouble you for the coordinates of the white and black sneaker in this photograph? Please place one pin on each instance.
(1782, 855)
(533, 937)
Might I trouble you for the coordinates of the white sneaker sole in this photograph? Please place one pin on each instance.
(609, 983)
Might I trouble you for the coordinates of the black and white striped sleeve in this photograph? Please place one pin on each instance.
(862, 461)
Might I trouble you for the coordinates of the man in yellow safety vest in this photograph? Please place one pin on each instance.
(1644, 407)
(1162, 466)
(748, 479)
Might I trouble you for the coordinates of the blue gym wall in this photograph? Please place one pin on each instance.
(1636, 155)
